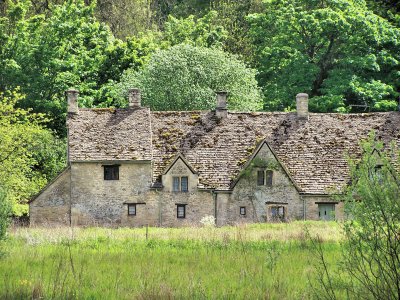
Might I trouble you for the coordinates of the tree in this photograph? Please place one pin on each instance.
(339, 52)
(184, 77)
(46, 54)
(5, 213)
(29, 154)
(370, 263)
(203, 32)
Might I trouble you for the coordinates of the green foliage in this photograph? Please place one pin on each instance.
(204, 32)
(369, 264)
(184, 77)
(339, 52)
(47, 54)
(29, 154)
(372, 248)
(5, 213)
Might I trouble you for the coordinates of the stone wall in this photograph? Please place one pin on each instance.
(52, 205)
(96, 201)
(312, 208)
(258, 199)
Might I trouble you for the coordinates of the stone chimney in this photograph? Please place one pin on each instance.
(302, 106)
(72, 99)
(221, 111)
(134, 98)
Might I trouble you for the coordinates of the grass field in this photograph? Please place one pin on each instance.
(260, 261)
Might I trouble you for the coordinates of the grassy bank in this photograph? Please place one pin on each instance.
(262, 261)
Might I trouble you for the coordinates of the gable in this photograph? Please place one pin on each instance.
(177, 169)
(265, 158)
(179, 166)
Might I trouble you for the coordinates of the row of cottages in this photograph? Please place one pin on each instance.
(133, 166)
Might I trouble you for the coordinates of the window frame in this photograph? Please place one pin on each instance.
(184, 211)
(242, 210)
(266, 177)
(180, 185)
(132, 205)
(113, 170)
(278, 216)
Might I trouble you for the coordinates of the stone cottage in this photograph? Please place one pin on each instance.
(133, 166)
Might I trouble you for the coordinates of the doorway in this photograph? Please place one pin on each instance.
(326, 212)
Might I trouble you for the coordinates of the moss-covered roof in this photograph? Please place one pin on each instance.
(313, 151)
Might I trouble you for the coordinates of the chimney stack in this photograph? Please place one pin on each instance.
(134, 98)
(72, 99)
(302, 106)
(221, 111)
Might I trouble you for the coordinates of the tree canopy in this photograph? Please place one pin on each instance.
(184, 77)
(29, 154)
(339, 52)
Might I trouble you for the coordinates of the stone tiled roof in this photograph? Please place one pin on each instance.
(109, 134)
(313, 151)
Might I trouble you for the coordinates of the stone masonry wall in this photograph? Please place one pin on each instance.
(312, 209)
(52, 205)
(254, 197)
(98, 201)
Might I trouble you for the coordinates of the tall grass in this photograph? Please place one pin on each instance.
(263, 261)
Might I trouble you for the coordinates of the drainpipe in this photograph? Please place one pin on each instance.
(214, 195)
(304, 207)
(159, 209)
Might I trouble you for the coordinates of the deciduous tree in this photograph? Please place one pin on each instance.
(339, 52)
(184, 77)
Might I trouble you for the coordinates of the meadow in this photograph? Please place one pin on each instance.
(259, 261)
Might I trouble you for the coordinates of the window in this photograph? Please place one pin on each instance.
(180, 184)
(131, 209)
(264, 177)
(268, 177)
(277, 213)
(181, 211)
(111, 172)
(242, 210)
(260, 177)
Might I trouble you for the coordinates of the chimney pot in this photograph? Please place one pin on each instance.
(72, 99)
(302, 106)
(134, 98)
(221, 109)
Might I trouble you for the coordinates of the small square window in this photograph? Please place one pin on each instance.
(181, 211)
(242, 210)
(111, 172)
(132, 209)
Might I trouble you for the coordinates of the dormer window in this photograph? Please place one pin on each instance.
(264, 177)
(180, 184)
(111, 172)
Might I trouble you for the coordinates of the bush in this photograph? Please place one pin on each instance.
(370, 260)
